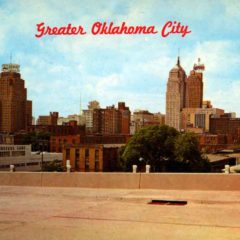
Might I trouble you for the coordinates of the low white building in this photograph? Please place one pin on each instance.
(23, 159)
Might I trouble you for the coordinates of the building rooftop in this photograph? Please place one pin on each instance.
(88, 213)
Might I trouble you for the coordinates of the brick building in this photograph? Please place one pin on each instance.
(198, 118)
(51, 119)
(225, 125)
(125, 118)
(15, 109)
(94, 153)
(215, 142)
(57, 142)
(194, 90)
(92, 157)
(109, 120)
(142, 118)
(58, 130)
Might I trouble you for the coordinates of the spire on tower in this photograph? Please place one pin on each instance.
(80, 104)
(178, 61)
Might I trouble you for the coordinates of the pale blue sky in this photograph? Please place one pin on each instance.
(130, 68)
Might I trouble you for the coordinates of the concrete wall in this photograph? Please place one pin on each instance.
(192, 181)
(168, 181)
(91, 180)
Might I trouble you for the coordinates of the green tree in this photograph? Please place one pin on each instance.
(165, 149)
(188, 155)
(154, 144)
(38, 140)
(186, 147)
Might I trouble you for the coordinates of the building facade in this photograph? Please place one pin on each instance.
(90, 114)
(23, 159)
(92, 157)
(15, 109)
(74, 117)
(194, 86)
(57, 142)
(194, 90)
(142, 118)
(125, 118)
(198, 117)
(51, 119)
(107, 121)
(225, 125)
(210, 143)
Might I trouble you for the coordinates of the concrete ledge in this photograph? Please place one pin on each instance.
(20, 179)
(91, 180)
(191, 181)
(167, 181)
(4, 178)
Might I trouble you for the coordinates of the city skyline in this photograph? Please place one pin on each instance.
(110, 69)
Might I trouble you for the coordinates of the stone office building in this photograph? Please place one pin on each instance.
(175, 96)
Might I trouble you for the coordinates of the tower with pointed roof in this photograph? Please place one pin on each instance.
(175, 95)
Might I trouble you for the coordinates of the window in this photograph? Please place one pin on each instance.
(77, 155)
(18, 153)
(5, 154)
(86, 160)
(96, 160)
(67, 153)
(86, 152)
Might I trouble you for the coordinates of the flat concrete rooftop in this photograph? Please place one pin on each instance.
(86, 213)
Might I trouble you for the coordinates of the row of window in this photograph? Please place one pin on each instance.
(22, 164)
(11, 148)
(14, 153)
(86, 158)
(64, 141)
(5, 154)
(77, 153)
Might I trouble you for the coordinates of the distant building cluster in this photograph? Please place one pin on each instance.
(187, 111)
(107, 121)
(91, 138)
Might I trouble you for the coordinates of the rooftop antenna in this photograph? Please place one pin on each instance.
(80, 104)
(11, 58)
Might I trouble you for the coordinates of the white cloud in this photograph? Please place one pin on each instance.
(112, 68)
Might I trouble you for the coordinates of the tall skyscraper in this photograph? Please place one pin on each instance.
(15, 109)
(175, 96)
(194, 87)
